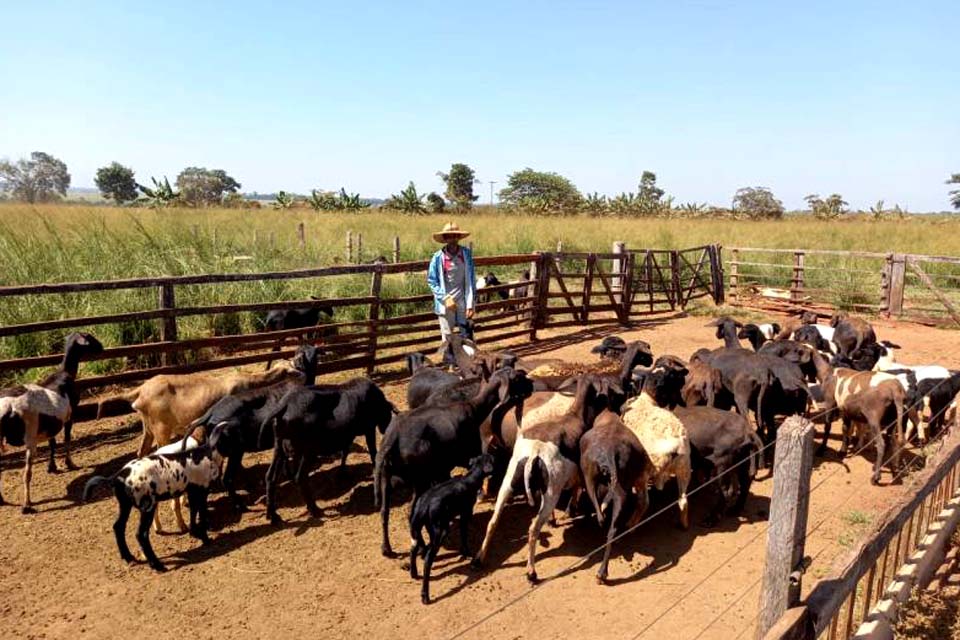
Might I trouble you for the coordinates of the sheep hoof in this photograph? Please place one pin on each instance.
(52, 469)
(532, 577)
(27, 509)
(2, 501)
(602, 579)
(425, 599)
(821, 450)
(276, 520)
(70, 466)
(875, 480)
(476, 563)
(387, 551)
(158, 567)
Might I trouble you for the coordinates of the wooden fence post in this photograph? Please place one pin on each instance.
(540, 310)
(626, 294)
(799, 278)
(734, 274)
(348, 252)
(716, 274)
(588, 287)
(885, 285)
(375, 284)
(359, 248)
(787, 529)
(898, 268)
(396, 249)
(616, 270)
(168, 325)
(301, 237)
(675, 281)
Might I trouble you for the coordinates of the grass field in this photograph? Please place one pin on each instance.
(75, 243)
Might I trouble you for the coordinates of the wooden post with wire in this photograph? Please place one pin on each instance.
(348, 250)
(301, 237)
(396, 249)
(787, 529)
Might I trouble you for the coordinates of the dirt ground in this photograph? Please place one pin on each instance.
(60, 574)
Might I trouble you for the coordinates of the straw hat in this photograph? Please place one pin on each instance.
(451, 229)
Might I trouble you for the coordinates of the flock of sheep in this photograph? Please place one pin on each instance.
(544, 428)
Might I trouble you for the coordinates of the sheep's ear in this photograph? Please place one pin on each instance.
(890, 345)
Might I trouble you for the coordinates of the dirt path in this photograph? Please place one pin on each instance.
(60, 574)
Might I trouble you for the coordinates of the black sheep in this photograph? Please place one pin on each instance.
(280, 319)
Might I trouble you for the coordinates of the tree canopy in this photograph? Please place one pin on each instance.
(459, 183)
(200, 186)
(955, 193)
(757, 203)
(42, 178)
(116, 183)
(540, 191)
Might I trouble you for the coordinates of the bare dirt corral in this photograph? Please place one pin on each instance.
(60, 574)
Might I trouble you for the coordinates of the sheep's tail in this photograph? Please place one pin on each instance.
(117, 405)
(93, 483)
(527, 471)
(756, 456)
(611, 470)
(590, 487)
(380, 464)
(276, 413)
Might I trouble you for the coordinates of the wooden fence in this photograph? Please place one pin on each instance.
(563, 290)
(917, 287)
(841, 601)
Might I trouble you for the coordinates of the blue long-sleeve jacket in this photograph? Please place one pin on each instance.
(439, 286)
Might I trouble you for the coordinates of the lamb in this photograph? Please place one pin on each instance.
(320, 420)
(551, 446)
(143, 482)
(31, 411)
(662, 435)
(613, 461)
(435, 511)
(302, 318)
(242, 414)
(422, 446)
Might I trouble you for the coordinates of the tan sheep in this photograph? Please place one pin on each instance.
(665, 440)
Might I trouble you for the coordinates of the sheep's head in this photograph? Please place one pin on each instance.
(638, 354)
(485, 463)
(306, 357)
(416, 361)
(664, 383)
(84, 344)
(837, 318)
(725, 325)
(808, 317)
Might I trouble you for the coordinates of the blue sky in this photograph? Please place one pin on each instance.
(860, 98)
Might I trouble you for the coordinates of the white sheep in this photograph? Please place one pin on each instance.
(665, 440)
(24, 417)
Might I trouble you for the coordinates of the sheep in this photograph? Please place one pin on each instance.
(166, 404)
(425, 379)
(662, 435)
(793, 351)
(727, 331)
(752, 334)
(28, 412)
(851, 333)
(613, 460)
(280, 319)
(520, 292)
(610, 348)
(792, 324)
(704, 386)
(551, 446)
(863, 396)
(435, 511)
(486, 281)
(423, 445)
(243, 413)
(811, 334)
(306, 425)
(143, 482)
(188, 442)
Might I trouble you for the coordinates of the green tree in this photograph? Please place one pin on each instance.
(541, 192)
(116, 183)
(877, 210)
(283, 200)
(161, 195)
(955, 193)
(42, 178)
(833, 207)
(595, 205)
(757, 203)
(201, 187)
(407, 201)
(649, 194)
(459, 183)
(435, 203)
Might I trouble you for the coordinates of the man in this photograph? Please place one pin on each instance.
(452, 280)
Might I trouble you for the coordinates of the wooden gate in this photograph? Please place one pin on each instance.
(664, 279)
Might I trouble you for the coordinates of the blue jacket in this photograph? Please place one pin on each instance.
(439, 286)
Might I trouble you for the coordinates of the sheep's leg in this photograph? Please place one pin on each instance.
(547, 504)
(303, 481)
(385, 491)
(157, 525)
(67, 438)
(234, 464)
(31, 454)
(371, 438)
(52, 463)
(827, 424)
(273, 474)
(618, 499)
(506, 490)
(881, 449)
(198, 514)
(845, 438)
(146, 440)
(436, 538)
(683, 481)
(744, 479)
(120, 526)
(143, 537)
(416, 544)
(177, 506)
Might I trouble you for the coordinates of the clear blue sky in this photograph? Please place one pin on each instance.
(861, 98)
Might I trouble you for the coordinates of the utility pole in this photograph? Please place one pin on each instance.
(492, 182)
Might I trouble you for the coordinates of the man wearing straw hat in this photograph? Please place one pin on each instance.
(452, 280)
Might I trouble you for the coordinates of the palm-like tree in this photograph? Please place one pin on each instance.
(955, 193)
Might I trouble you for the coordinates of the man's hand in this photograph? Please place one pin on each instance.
(470, 313)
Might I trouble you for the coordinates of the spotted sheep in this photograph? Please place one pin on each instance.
(144, 482)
